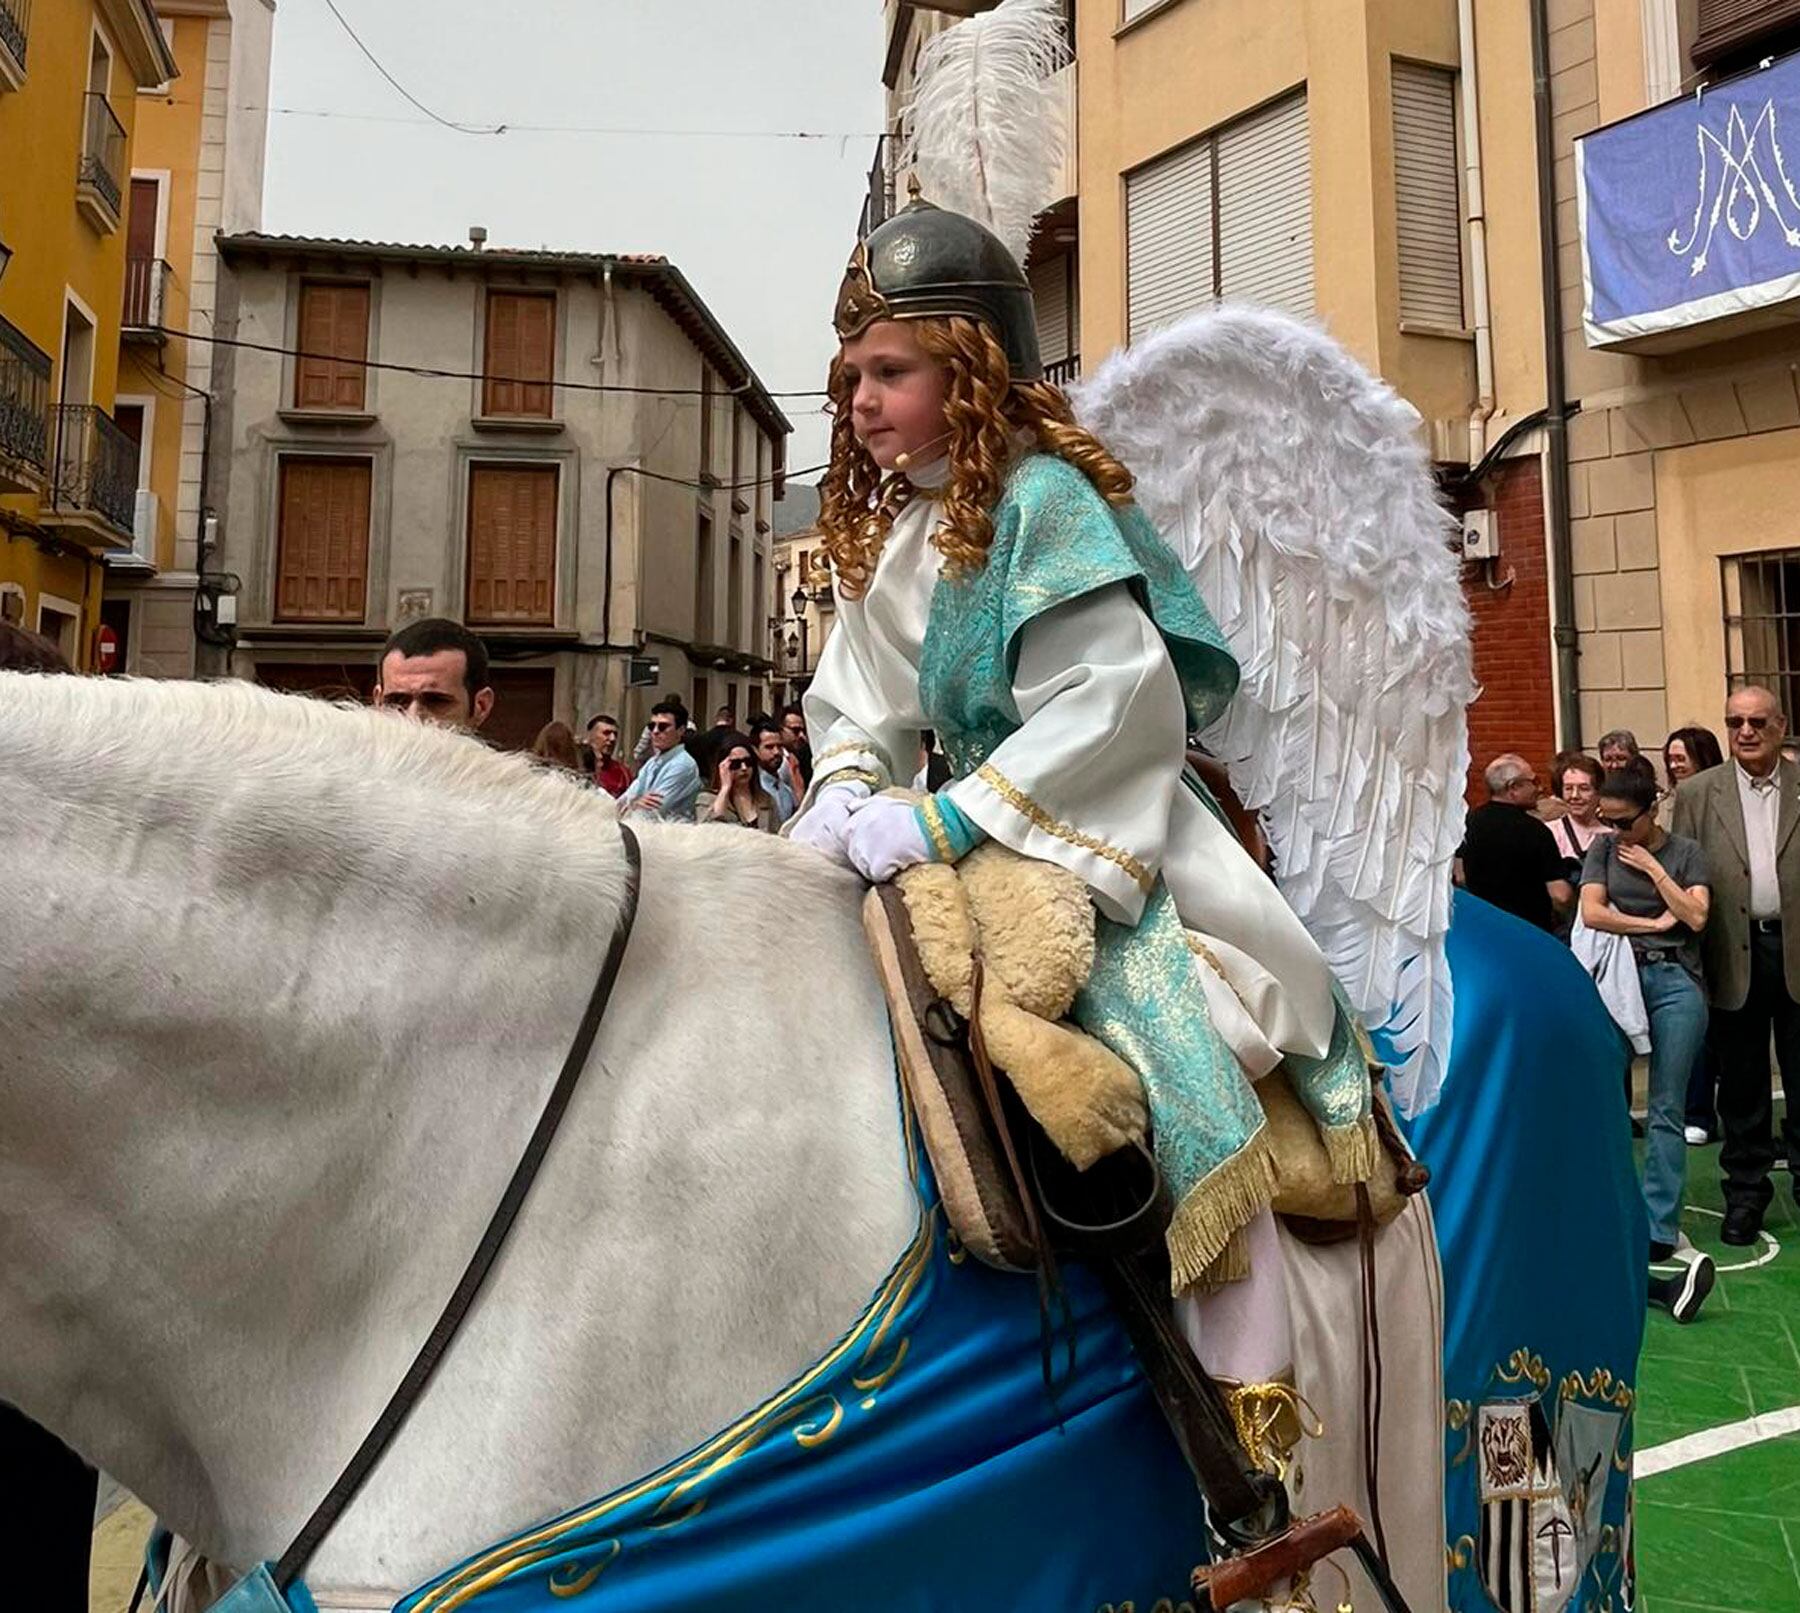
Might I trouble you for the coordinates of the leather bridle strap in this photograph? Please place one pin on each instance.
(418, 1375)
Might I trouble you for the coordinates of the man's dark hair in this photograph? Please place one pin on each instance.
(433, 633)
(1631, 785)
(669, 706)
(794, 709)
(763, 725)
(21, 651)
(600, 716)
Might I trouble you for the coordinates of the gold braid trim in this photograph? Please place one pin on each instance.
(861, 775)
(1027, 808)
(1205, 1242)
(850, 747)
(1352, 1149)
(934, 826)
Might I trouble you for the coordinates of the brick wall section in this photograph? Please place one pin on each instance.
(1516, 709)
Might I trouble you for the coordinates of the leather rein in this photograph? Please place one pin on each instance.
(425, 1363)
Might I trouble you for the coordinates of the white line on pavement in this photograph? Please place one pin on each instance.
(1711, 1442)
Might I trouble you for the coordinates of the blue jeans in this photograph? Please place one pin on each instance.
(1677, 1009)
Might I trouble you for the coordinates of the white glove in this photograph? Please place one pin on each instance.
(823, 824)
(884, 837)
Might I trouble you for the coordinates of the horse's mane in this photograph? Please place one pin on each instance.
(344, 787)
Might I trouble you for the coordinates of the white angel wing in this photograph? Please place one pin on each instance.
(1297, 491)
(984, 127)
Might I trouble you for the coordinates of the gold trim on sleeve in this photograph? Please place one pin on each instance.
(860, 775)
(934, 826)
(850, 747)
(1023, 804)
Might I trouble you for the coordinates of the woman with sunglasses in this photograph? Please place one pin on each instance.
(737, 795)
(1651, 886)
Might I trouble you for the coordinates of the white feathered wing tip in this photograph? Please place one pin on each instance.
(984, 127)
(1296, 489)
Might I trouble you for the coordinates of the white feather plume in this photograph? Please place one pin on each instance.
(984, 128)
(1297, 491)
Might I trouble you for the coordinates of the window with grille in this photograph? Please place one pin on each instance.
(1226, 217)
(520, 361)
(322, 540)
(1762, 622)
(1427, 201)
(330, 372)
(512, 545)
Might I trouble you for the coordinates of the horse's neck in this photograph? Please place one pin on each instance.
(259, 1117)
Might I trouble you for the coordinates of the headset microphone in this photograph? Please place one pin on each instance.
(901, 461)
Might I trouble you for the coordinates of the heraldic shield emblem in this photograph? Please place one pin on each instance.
(1528, 1545)
(1542, 1495)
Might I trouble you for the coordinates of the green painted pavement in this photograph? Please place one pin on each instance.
(1722, 1534)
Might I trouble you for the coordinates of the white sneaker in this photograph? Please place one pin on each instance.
(1696, 1136)
(1696, 1284)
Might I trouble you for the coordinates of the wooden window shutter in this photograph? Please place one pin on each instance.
(1727, 26)
(1050, 300)
(1169, 238)
(520, 363)
(334, 340)
(1265, 209)
(1427, 203)
(322, 546)
(512, 544)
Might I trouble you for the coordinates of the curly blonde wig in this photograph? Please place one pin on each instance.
(985, 411)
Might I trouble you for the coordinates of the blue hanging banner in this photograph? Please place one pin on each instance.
(1690, 212)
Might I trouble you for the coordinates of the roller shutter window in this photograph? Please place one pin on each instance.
(512, 545)
(1265, 209)
(1427, 204)
(1169, 268)
(520, 361)
(1050, 297)
(322, 543)
(1729, 26)
(334, 341)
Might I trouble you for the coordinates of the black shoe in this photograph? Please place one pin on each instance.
(1742, 1223)
(1660, 1252)
(1696, 1283)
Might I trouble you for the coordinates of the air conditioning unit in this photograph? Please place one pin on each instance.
(1480, 536)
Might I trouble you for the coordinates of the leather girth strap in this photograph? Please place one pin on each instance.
(425, 1363)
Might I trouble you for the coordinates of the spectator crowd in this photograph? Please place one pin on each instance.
(1678, 896)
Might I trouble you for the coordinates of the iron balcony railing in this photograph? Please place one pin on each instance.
(24, 398)
(146, 280)
(103, 150)
(15, 24)
(96, 465)
(1064, 370)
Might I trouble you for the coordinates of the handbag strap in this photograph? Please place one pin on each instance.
(431, 1352)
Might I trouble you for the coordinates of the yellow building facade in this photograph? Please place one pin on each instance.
(69, 77)
(196, 169)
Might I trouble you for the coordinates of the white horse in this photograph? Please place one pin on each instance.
(283, 989)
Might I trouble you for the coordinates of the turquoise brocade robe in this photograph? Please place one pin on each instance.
(1055, 541)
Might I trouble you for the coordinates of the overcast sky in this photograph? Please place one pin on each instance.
(760, 226)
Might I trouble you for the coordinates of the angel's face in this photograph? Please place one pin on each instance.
(896, 395)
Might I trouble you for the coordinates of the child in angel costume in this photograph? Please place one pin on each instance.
(997, 583)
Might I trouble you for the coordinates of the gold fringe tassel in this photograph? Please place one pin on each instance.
(1210, 1220)
(1352, 1149)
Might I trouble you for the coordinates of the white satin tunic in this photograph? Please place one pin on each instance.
(1091, 780)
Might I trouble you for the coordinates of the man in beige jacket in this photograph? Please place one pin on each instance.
(1744, 815)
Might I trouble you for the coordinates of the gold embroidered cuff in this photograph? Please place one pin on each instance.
(1029, 809)
(855, 775)
(933, 818)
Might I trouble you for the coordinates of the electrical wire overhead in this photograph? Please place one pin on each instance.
(375, 62)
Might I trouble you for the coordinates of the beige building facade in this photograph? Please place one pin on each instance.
(564, 451)
(1375, 166)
